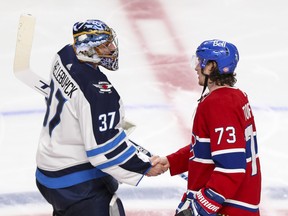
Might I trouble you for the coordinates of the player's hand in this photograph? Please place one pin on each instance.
(157, 167)
(164, 161)
(206, 202)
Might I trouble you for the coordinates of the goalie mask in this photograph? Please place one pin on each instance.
(95, 42)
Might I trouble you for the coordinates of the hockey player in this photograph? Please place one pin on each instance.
(84, 150)
(224, 176)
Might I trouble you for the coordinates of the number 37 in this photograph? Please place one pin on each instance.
(106, 121)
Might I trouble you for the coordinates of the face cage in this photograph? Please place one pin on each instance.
(109, 61)
(113, 54)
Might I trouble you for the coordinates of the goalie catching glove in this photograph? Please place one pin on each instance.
(205, 202)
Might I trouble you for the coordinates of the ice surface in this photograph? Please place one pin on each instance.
(155, 51)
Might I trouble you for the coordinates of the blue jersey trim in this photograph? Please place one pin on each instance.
(230, 160)
(119, 159)
(107, 147)
(248, 147)
(70, 179)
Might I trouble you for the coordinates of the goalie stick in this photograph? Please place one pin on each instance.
(21, 68)
(23, 72)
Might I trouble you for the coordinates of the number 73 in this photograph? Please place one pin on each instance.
(231, 134)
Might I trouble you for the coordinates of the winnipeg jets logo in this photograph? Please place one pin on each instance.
(104, 87)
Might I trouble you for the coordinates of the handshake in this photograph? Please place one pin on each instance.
(159, 166)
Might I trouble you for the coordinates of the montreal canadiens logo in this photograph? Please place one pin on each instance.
(104, 87)
(193, 142)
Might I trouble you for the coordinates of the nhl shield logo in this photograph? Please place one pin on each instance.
(104, 87)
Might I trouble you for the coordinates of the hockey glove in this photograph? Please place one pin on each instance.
(206, 202)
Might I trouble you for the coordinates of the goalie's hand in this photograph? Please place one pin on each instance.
(206, 202)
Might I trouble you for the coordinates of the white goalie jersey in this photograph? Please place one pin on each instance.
(83, 136)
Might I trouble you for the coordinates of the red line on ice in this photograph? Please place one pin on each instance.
(172, 70)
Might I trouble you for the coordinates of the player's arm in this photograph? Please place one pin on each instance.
(179, 160)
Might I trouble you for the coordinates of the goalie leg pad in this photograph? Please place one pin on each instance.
(116, 207)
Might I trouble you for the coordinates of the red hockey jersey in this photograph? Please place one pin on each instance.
(223, 154)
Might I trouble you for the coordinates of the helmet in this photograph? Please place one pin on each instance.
(225, 54)
(91, 34)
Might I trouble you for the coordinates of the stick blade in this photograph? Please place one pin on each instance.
(24, 43)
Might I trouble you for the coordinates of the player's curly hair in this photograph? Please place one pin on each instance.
(222, 79)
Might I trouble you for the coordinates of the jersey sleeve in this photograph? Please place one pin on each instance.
(179, 160)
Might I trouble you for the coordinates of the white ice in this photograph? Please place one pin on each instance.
(258, 28)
